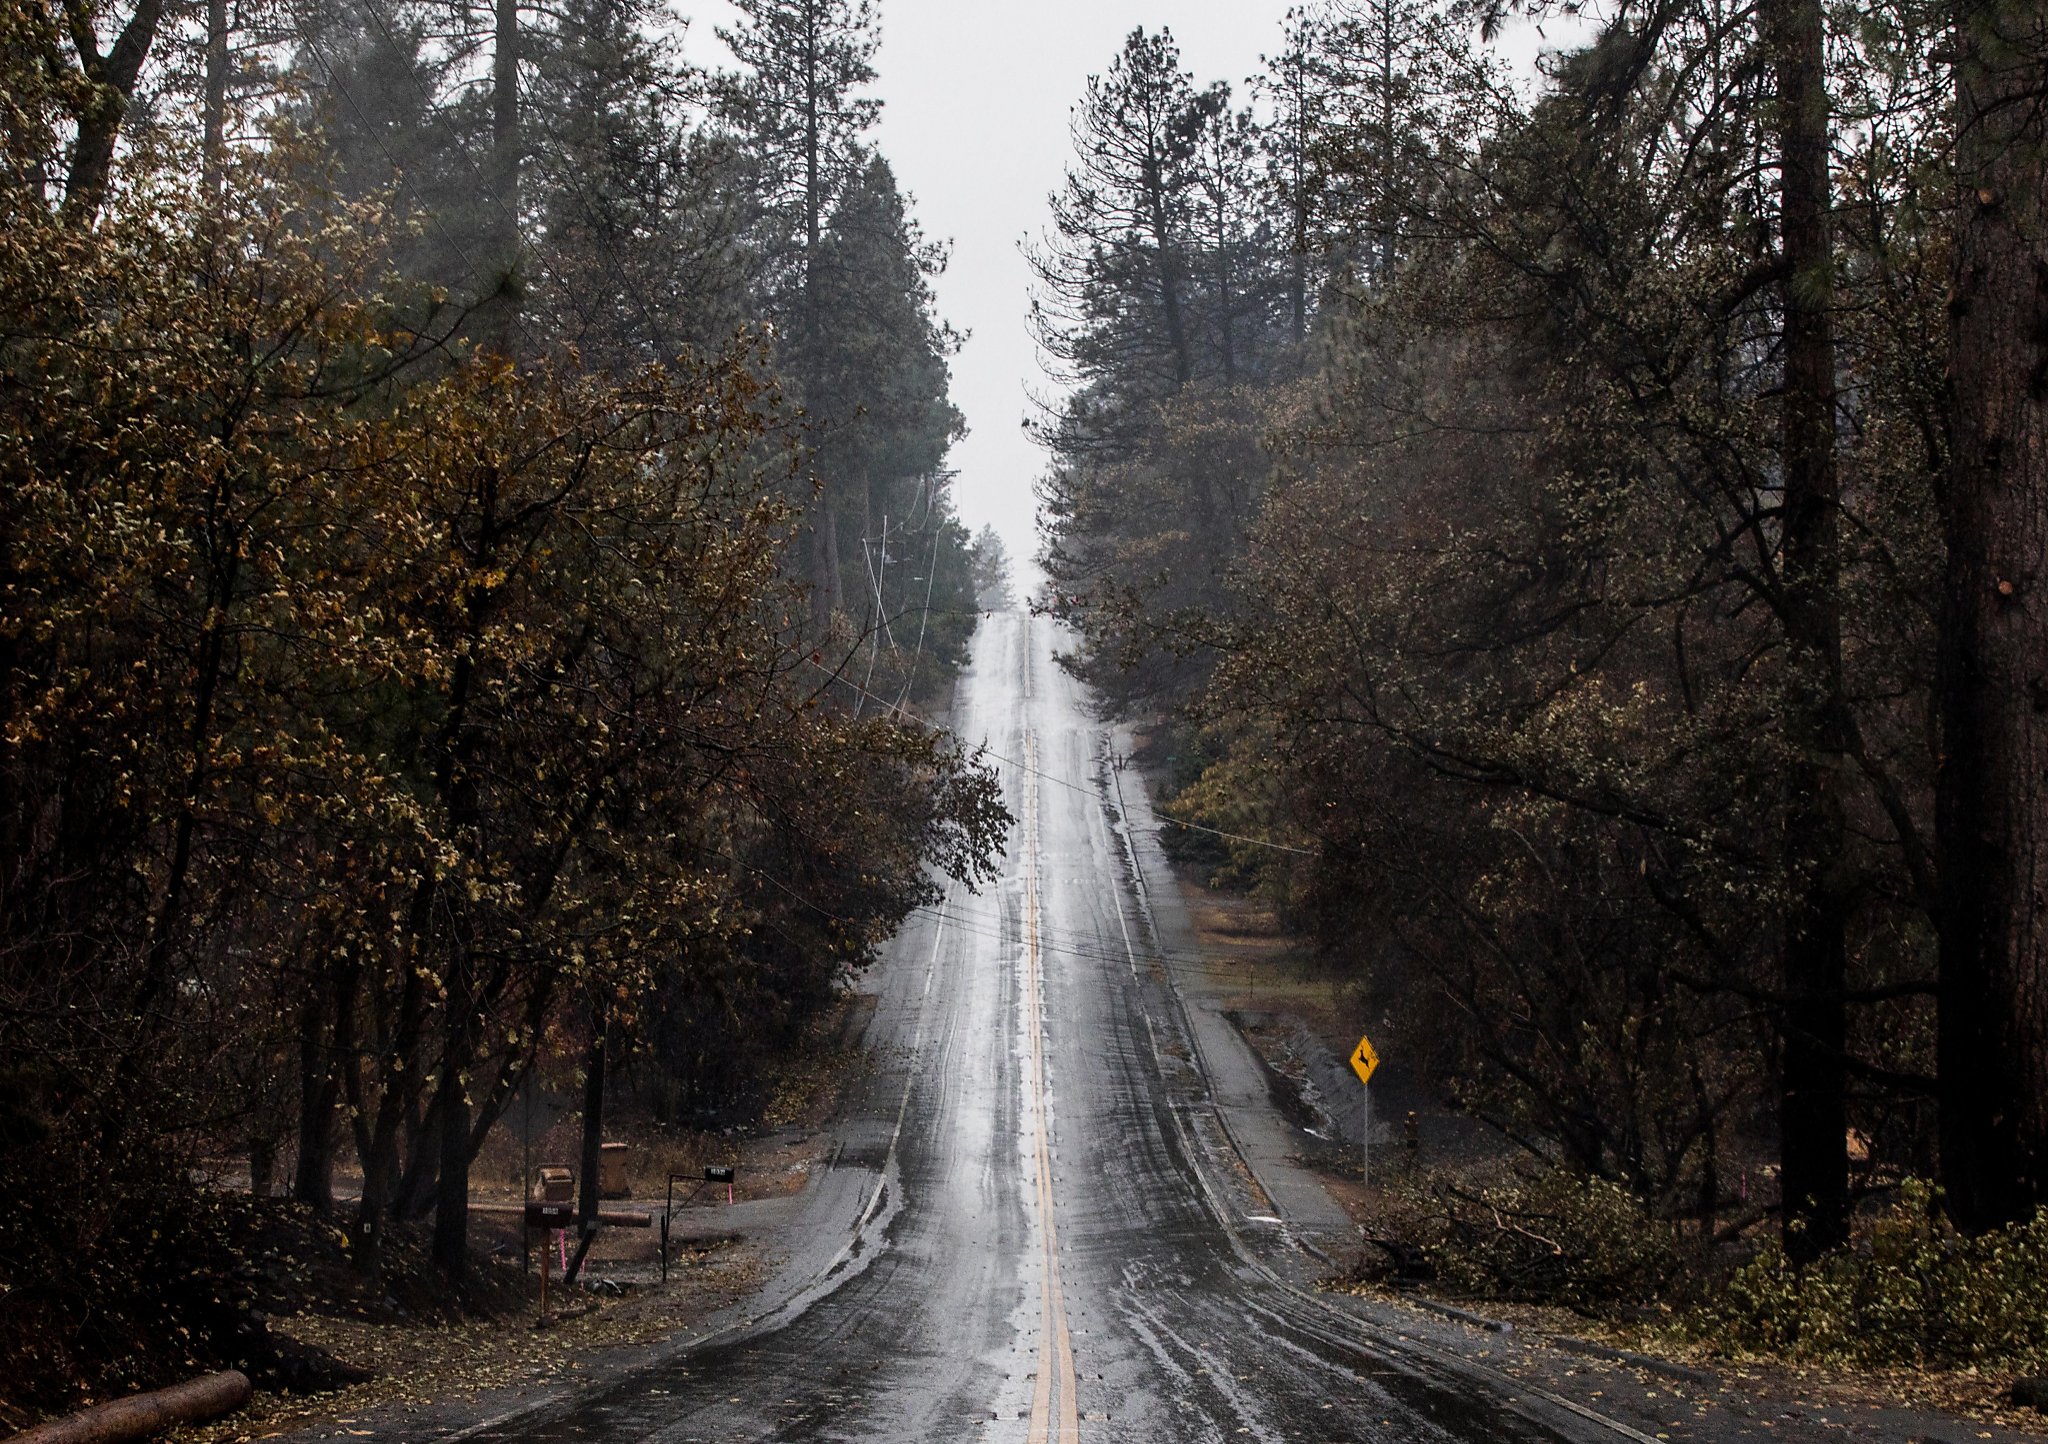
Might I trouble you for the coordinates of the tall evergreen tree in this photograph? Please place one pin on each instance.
(1994, 664)
(799, 115)
(993, 591)
(876, 386)
(1117, 274)
(1380, 68)
(1292, 87)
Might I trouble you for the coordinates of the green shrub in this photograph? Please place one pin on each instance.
(1909, 1289)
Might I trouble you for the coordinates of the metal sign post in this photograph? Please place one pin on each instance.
(1364, 1061)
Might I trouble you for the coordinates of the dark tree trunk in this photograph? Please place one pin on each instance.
(1992, 789)
(213, 152)
(366, 1250)
(262, 1166)
(505, 165)
(1167, 242)
(398, 1070)
(114, 76)
(441, 1155)
(313, 1170)
(413, 1195)
(826, 576)
(1297, 292)
(217, 540)
(587, 1202)
(451, 1198)
(1383, 245)
(327, 1046)
(826, 595)
(1813, 1084)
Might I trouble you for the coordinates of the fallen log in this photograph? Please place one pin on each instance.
(143, 1416)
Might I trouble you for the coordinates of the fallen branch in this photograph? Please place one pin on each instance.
(142, 1416)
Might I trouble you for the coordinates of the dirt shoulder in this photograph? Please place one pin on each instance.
(1928, 1403)
(434, 1366)
(431, 1360)
(1685, 1391)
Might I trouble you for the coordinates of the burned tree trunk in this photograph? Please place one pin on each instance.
(1992, 789)
(1813, 1093)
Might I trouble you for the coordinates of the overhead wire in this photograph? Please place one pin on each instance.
(867, 562)
(931, 572)
(1244, 838)
(982, 747)
(989, 927)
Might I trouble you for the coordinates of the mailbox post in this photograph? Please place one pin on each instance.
(551, 1183)
(713, 1173)
(547, 1215)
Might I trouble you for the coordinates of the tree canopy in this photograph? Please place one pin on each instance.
(412, 674)
(1535, 508)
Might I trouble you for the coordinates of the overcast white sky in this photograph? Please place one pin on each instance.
(977, 96)
(976, 99)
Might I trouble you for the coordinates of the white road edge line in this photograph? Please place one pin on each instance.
(1223, 1216)
(931, 968)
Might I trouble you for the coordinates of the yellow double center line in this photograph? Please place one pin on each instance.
(1055, 1339)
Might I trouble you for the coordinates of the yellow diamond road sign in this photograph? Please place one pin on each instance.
(1364, 1060)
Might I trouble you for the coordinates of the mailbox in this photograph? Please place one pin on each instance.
(557, 1184)
(550, 1213)
(718, 1173)
(612, 1162)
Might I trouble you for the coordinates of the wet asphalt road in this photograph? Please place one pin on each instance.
(1031, 1229)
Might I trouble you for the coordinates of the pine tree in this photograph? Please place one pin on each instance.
(1994, 637)
(993, 591)
(799, 118)
(1117, 275)
(1293, 90)
(876, 382)
(1375, 67)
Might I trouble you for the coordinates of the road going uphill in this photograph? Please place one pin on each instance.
(1034, 1226)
